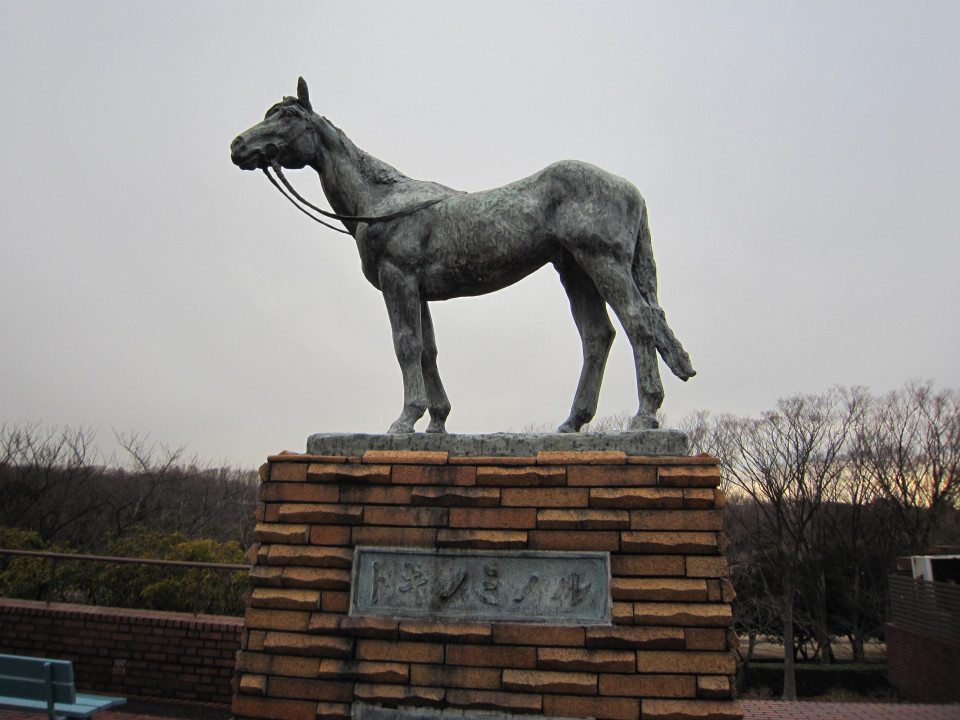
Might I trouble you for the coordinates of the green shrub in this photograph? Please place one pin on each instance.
(172, 588)
(29, 577)
(151, 587)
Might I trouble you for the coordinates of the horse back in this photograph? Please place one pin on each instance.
(474, 243)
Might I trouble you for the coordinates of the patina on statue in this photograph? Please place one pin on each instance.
(422, 241)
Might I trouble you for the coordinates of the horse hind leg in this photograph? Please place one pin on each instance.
(616, 284)
(437, 402)
(596, 334)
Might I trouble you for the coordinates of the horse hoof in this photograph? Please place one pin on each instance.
(437, 429)
(400, 428)
(643, 421)
(568, 427)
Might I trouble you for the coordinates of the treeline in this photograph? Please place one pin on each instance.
(52, 482)
(56, 495)
(825, 492)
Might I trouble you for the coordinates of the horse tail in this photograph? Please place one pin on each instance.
(644, 270)
(644, 267)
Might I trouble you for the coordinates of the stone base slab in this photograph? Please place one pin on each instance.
(645, 443)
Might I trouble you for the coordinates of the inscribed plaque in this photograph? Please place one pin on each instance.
(571, 588)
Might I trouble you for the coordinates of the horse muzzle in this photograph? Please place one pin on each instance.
(246, 157)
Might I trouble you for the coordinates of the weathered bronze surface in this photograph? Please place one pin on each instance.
(422, 241)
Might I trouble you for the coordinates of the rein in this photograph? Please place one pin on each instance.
(370, 219)
(303, 210)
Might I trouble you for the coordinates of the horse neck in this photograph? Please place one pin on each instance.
(353, 181)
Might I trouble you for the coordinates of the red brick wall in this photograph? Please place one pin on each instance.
(116, 651)
(922, 667)
(668, 653)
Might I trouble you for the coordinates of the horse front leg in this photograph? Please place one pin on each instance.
(401, 296)
(437, 402)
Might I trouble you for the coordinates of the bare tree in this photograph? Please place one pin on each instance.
(53, 483)
(709, 434)
(47, 478)
(857, 544)
(164, 492)
(785, 462)
(909, 446)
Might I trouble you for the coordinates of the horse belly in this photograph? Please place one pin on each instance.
(482, 242)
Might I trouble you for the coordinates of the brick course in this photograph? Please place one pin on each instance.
(667, 654)
(116, 651)
(922, 667)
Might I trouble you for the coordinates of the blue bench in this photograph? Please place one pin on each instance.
(28, 683)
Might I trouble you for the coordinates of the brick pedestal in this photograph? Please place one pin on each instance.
(666, 652)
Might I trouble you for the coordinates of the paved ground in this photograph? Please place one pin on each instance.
(143, 709)
(775, 710)
(146, 709)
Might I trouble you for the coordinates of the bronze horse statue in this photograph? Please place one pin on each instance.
(422, 241)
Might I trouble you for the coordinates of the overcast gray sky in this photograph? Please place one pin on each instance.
(800, 161)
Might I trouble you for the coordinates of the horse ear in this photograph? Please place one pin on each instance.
(303, 95)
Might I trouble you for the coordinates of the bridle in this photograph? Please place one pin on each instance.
(334, 216)
(276, 168)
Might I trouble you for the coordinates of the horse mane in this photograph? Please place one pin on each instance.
(371, 168)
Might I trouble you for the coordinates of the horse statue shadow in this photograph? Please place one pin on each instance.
(421, 241)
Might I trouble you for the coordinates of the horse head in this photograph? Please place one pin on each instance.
(286, 137)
